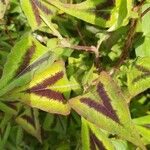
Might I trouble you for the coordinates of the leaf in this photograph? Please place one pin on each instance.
(142, 50)
(145, 133)
(33, 10)
(6, 133)
(88, 77)
(139, 76)
(19, 136)
(16, 137)
(93, 138)
(143, 125)
(105, 106)
(45, 91)
(101, 13)
(11, 108)
(142, 120)
(122, 145)
(32, 14)
(29, 121)
(39, 14)
(3, 56)
(26, 57)
(75, 86)
(145, 20)
(78, 12)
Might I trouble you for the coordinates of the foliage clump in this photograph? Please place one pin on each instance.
(74, 74)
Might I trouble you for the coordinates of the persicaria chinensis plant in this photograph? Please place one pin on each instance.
(74, 74)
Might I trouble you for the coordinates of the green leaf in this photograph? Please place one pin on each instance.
(145, 20)
(143, 125)
(19, 136)
(33, 10)
(75, 86)
(139, 76)
(6, 133)
(122, 145)
(45, 91)
(145, 134)
(39, 15)
(32, 13)
(142, 120)
(142, 50)
(16, 138)
(3, 56)
(93, 138)
(11, 108)
(88, 77)
(29, 121)
(106, 102)
(98, 12)
(26, 57)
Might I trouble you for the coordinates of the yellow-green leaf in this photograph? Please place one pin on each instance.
(105, 106)
(28, 120)
(139, 76)
(93, 138)
(46, 91)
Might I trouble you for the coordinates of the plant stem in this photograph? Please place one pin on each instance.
(130, 37)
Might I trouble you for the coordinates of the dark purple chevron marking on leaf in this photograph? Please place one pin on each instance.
(12, 105)
(95, 142)
(49, 81)
(99, 107)
(106, 100)
(29, 119)
(146, 126)
(92, 143)
(142, 68)
(26, 59)
(50, 94)
(106, 4)
(105, 14)
(138, 78)
(42, 7)
(36, 12)
(35, 64)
